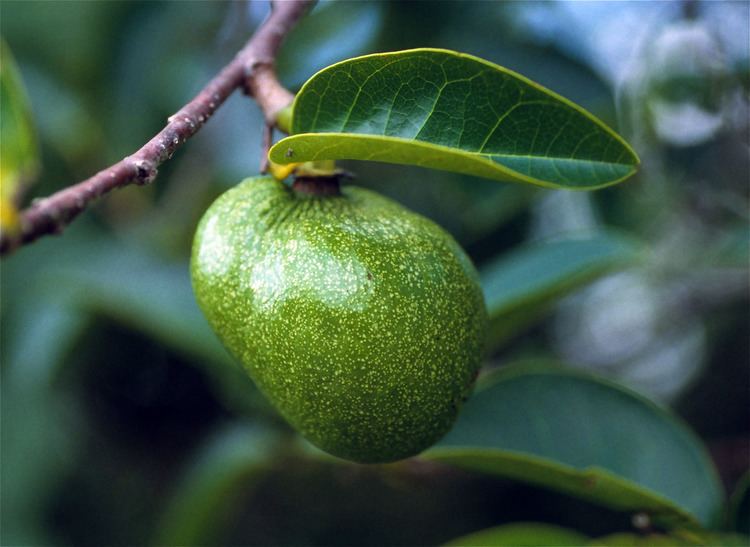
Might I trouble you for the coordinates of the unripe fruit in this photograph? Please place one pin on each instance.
(361, 321)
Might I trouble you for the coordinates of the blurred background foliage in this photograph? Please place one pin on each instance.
(125, 422)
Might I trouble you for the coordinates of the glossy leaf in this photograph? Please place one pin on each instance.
(453, 111)
(587, 437)
(522, 534)
(521, 285)
(17, 140)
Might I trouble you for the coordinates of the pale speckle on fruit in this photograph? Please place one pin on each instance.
(361, 321)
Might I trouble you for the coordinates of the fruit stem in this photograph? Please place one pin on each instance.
(325, 185)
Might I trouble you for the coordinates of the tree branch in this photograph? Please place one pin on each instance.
(252, 69)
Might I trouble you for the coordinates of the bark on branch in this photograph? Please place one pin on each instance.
(252, 69)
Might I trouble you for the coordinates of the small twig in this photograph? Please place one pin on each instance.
(251, 69)
(265, 146)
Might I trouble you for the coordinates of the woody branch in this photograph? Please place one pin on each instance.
(252, 70)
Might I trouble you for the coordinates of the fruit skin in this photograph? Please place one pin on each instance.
(361, 321)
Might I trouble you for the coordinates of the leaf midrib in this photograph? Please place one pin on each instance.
(482, 155)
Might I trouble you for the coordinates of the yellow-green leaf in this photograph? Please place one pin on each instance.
(453, 111)
(521, 534)
(17, 139)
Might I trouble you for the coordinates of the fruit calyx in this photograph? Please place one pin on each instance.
(318, 185)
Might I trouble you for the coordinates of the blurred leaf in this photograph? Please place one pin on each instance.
(154, 296)
(17, 140)
(677, 538)
(532, 534)
(733, 249)
(521, 285)
(447, 110)
(85, 32)
(39, 444)
(89, 274)
(727, 540)
(205, 496)
(148, 294)
(724, 540)
(37, 437)
(55, 119)
(44, 332)
(41, 319)
(639, 540)
(740, 506)
(86, 274)
(587, 437)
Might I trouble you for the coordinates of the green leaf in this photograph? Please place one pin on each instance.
(40, 441)
(587, 437)
(522, 534)
(205, 497)
(678, 538)
(153, 296)
(150, 295)
(37, 419)
(44, 331)
(638, 540)
(520, 286)
(453, 111)
(42, 322)
(17, 139)
(727, 540)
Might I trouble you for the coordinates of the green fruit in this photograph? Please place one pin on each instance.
(361, 321)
